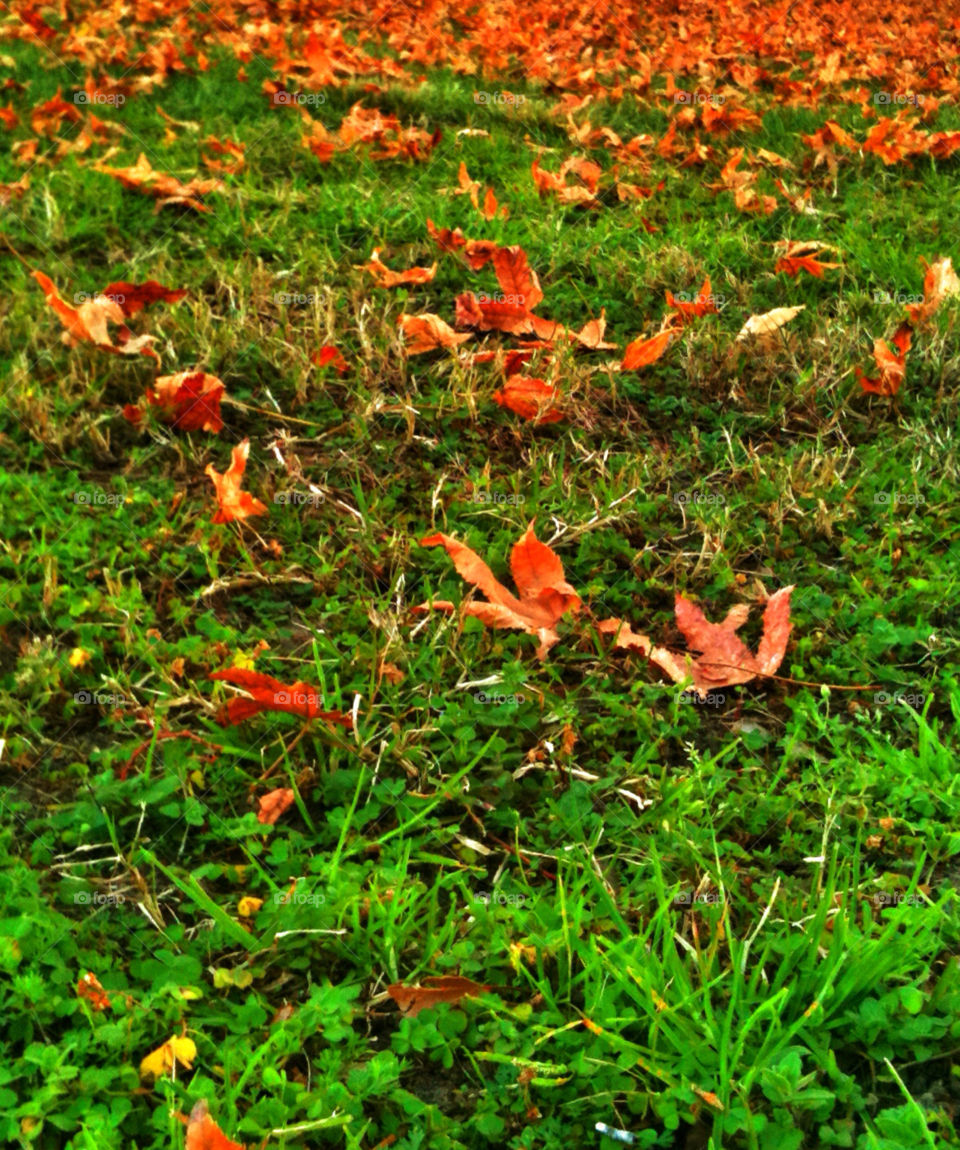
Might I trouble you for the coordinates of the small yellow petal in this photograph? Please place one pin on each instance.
(161, 1061)
(248, 906)
(79, 657)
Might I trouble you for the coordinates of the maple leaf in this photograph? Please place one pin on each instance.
(530, 398)
(721, 659)
(264, 693)
(554, 183)
(801, 255)
(428, 332)
(939, 282)
(204, 1134)
(702, 304)
(432, 991)
(272, 805)
(892, 366)
(385, 277)
(141, 177)
(444, 238)
(189, 400)
(592, 332)
(88, 322)
(133, 298)
(544, 595)
(232, 503)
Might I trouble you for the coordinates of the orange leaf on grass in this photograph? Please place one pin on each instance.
(233, 150)
(385, 277)
(428, 332)
(544, 594)
(272, 805)
(204, 1134)
(444, 238)
(939, 282)
(141, 177)
(268, 694)
(432, 991)
(330, 354)
(189, 400)
(88, 322)
(645, 350)
(232, 503)
(133, 298)
(721, 659)
(530, 398)
(702, 304)
(892, 366)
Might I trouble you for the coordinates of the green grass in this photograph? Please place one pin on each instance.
(811, 1012)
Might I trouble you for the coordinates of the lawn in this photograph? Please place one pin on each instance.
(281, 833)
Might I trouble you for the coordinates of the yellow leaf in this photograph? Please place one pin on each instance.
(163, 1060)
(248, 906)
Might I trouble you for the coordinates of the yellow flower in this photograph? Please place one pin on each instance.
(79, 657)
(248, 906)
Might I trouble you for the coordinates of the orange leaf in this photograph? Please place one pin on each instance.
(272, 805)
(643, 351)
(268, 694)
(530, 398)
(384, 277)
(189, 400)
(892, 366)
(135, 297)
(330, 354)
(232, 503)
(169, 190)
(702, 305)
(88, 322)
(204, 1134)
(432, 991)
(545, 596)
(89, 988)
(939, 282)
(428, 332)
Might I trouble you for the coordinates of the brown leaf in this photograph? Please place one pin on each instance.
(428, 332)
(432, 991)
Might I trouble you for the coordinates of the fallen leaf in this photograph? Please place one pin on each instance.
(544, 594)
(768, 322)
(88, 322)
(133, 298)
(385, 277)
(232, 503)
(189, 401)
(272, 805)
(428, 332)
(141, 177)
(330, 354)
(204, 1134)
(268, 694)
(529, 398)
(432, 991)
(89, 988)
(892, 366)
(939, 282)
